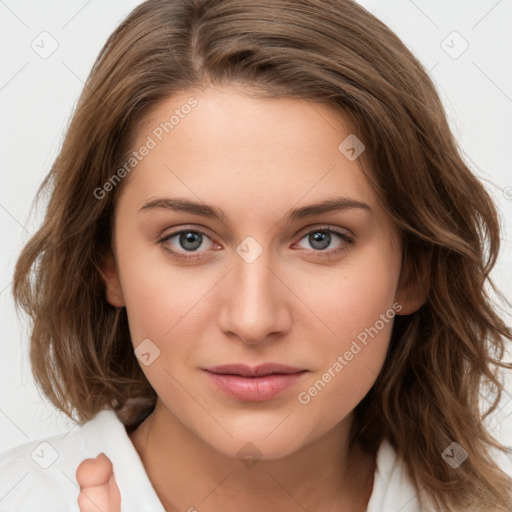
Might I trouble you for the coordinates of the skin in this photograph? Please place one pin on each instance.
(296, 304)
(98, 486)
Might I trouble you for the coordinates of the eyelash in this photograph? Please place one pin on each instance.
(349, 241)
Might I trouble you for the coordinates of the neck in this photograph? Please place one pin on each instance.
(187, 473)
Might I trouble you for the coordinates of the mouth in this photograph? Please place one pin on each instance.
(254, 371)
(254, 384)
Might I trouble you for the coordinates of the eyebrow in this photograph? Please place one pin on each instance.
(205, 210)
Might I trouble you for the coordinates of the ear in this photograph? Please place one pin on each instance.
(413, 285)
(110, 275)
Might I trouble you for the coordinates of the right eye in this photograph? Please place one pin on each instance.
(188, 240)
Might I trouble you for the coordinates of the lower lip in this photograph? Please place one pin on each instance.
(255, 389)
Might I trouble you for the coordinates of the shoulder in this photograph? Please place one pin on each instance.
(40, 475)
(392, 487)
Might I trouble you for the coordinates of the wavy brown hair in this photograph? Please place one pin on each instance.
(328, 51)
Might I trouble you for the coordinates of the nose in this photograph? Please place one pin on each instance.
(256, 302)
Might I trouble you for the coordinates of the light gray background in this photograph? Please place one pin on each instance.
(37, 96)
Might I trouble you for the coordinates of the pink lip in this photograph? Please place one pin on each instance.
(254, 384)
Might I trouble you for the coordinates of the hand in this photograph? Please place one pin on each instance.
(98, 488)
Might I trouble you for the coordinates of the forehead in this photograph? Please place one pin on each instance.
(225, 142)
(231, 108)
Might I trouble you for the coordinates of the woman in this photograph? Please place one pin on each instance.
(322, 343)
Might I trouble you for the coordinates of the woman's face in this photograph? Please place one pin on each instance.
(254, 277)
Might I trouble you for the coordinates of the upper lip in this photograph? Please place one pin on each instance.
(254, 371)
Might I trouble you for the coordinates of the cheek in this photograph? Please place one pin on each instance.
(354, 296)
(158, 294)
(350, 361)
(358, 307)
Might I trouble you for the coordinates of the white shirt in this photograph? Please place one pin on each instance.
(39, 476)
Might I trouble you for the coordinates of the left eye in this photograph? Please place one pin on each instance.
(189, 240)
(320, 239)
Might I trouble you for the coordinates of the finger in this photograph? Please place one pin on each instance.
(98, 488)
(114, 494)
(100, 498)
(93, 472)
(95, 499)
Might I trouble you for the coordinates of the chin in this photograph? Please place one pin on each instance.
(255, 445)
